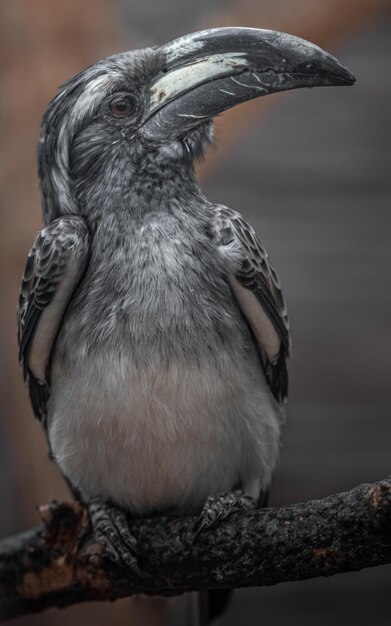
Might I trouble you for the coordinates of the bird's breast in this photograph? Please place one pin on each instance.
(160, 437)
(160, 290)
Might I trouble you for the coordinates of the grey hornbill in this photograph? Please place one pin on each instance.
(153, 333)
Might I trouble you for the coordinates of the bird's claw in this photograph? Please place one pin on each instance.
(111, 530)
(219, 507)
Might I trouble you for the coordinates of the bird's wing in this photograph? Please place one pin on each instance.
(54, 267)
(256, 287)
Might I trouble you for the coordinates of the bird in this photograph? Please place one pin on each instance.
(153, 333)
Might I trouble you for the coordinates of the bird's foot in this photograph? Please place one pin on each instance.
(219, 507)
(111, 530)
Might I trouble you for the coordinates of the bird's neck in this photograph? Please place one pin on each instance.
(161, 181)
(152, 187)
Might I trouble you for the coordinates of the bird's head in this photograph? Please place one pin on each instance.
(150, 111)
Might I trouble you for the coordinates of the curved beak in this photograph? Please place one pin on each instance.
(211, 71)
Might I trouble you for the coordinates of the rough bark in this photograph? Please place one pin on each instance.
(59, 563)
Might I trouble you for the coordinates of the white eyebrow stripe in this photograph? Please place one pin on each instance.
(86, 102)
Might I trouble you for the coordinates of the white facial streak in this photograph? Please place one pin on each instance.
(84, 105)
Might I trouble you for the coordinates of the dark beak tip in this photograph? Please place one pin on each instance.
(347, 78)
(338, 77)
(341, 74)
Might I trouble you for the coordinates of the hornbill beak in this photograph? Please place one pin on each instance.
(213, 70)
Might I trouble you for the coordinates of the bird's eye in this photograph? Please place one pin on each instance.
(121, 107)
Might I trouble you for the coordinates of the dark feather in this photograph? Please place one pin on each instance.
(258, 275)
(54, 248)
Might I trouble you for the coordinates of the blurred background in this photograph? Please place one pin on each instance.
(310, 170)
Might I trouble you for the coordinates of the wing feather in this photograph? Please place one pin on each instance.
(256, 286)
(54, 267)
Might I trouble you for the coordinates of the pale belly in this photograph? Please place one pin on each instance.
(162, 438)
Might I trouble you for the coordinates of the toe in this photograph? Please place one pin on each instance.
(111, 529)
(219, 507)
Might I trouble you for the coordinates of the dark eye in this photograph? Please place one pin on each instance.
(121, 107)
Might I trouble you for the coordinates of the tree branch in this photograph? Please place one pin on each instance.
(59, 563)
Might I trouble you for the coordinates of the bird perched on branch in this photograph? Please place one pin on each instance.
(153, 333)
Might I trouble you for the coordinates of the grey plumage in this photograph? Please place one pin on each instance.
(178, 373)
(153, 332)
